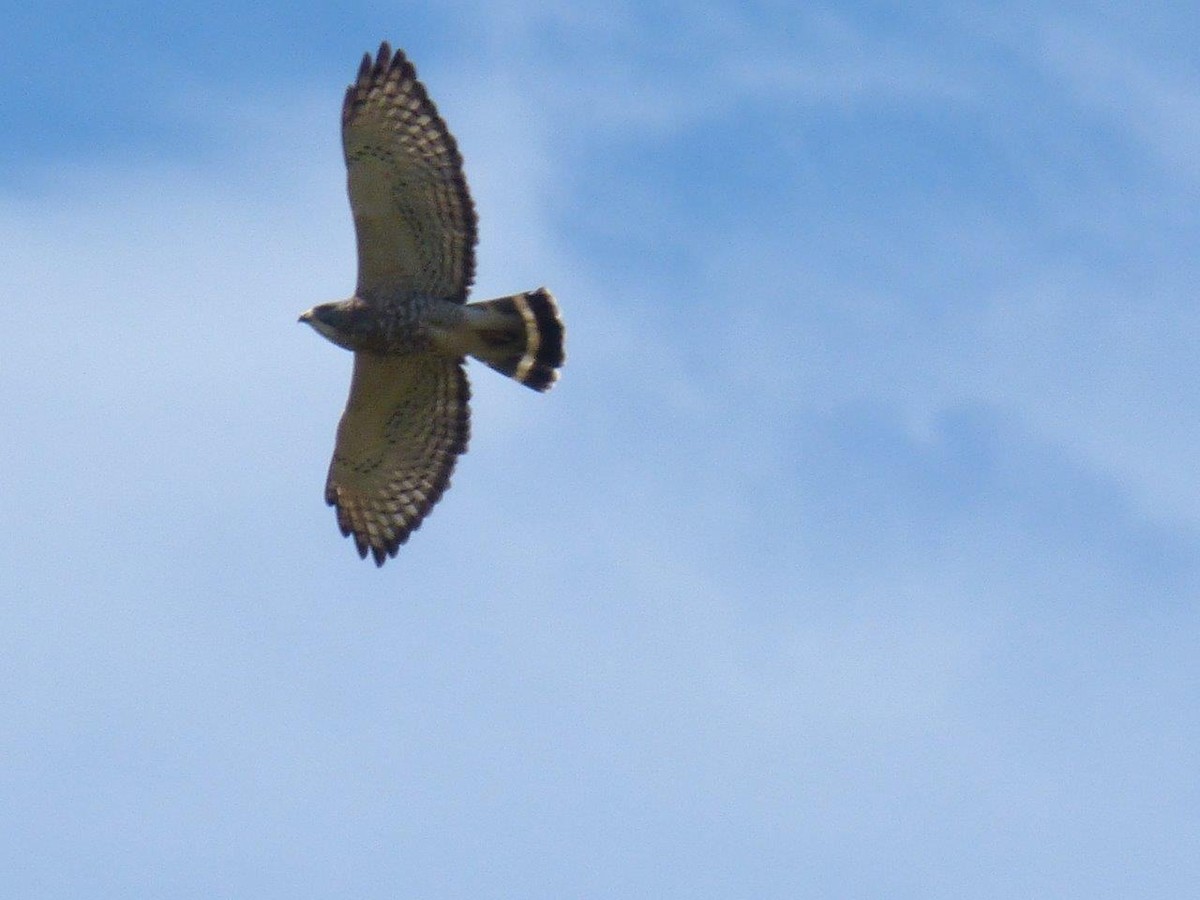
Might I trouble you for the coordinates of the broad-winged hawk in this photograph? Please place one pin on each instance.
(408, 323)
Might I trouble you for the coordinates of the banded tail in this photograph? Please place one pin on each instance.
(520, 336)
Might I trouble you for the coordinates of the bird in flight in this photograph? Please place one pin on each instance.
(408, 324)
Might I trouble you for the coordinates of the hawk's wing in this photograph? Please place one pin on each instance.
(412, 212)
(404, 426)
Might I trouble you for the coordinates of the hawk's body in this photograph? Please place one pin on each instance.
(407, 419)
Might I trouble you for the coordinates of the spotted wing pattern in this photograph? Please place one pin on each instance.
(413, 214)
(404, 426)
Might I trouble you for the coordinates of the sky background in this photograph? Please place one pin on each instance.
(855, 554)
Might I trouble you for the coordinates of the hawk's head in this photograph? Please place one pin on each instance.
(333, 321)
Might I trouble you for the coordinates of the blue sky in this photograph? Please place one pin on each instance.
(855, 554)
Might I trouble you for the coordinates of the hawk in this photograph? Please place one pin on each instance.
(408, 323)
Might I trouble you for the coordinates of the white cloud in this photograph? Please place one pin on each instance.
(1153, 102)
(741, 584)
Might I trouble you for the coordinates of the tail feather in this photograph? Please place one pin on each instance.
(520, 336)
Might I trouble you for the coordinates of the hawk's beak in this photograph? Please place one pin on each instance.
(305, 316)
